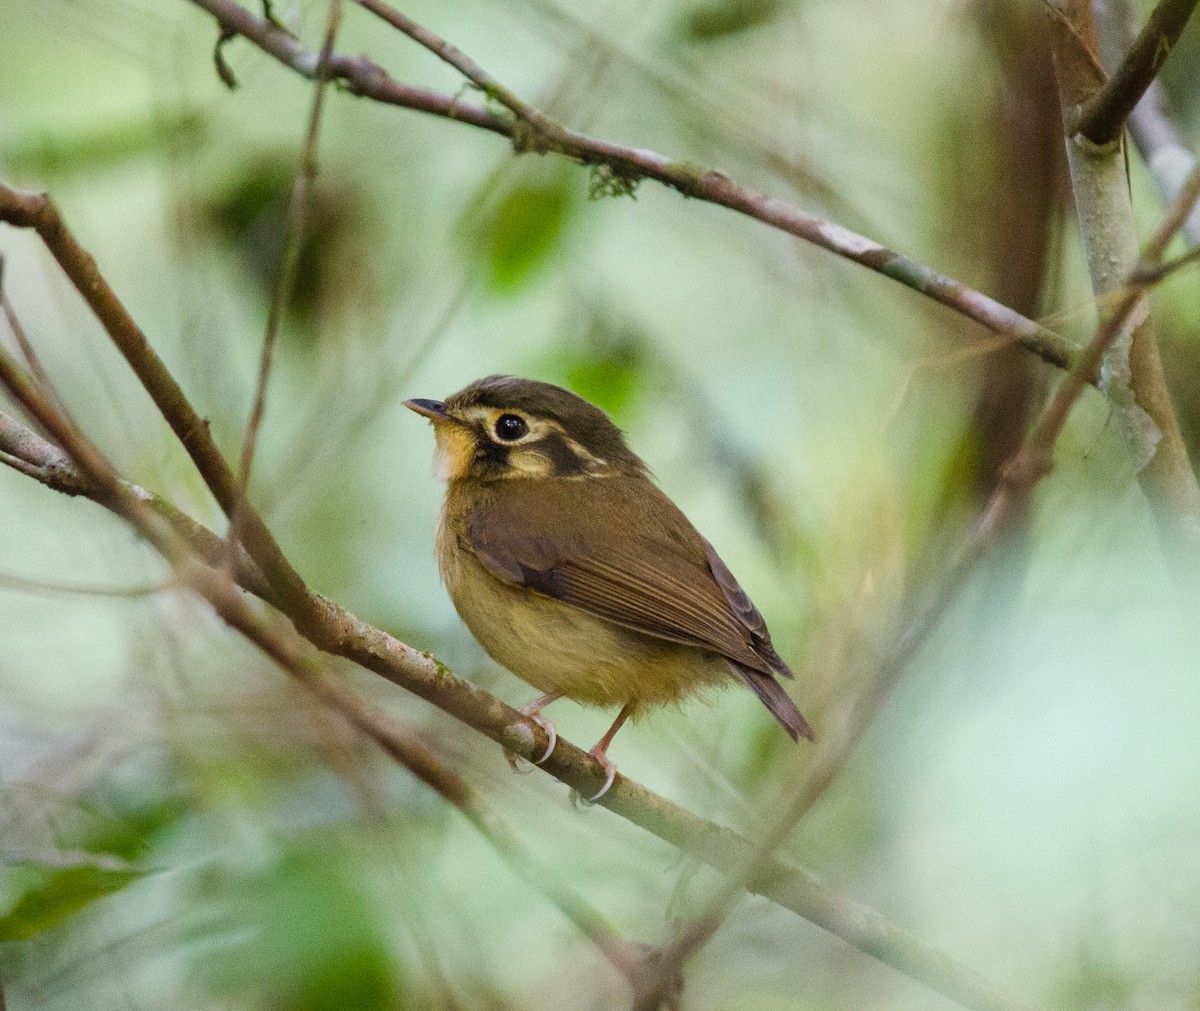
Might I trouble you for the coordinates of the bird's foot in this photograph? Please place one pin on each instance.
(521, 765)
(611, 773)
(551, 732)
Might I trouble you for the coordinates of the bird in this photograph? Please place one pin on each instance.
(576, 572)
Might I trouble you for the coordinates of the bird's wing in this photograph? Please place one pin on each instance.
(622, 551)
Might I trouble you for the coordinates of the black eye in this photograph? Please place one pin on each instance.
(510, 427)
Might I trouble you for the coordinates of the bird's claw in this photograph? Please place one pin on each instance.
(611, 771)
(521, 765)
(551, 732)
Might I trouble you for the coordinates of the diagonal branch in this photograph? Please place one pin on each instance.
(36, 211)
(532, 131)
(1102, 117)
(1154, 132)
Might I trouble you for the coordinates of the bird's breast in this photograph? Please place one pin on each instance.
(560, 648)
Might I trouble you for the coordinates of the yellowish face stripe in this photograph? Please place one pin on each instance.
(455, 455)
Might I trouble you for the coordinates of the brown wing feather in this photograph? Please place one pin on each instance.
(632, 558)
(746, 612)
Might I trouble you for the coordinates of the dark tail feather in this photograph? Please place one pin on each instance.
(772, 695)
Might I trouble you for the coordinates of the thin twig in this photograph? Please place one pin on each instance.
(27, 452)
(295, 227)
(1150, 273)
(460, 61)
(18, 331)
(1102, 118)
(1153, 129)
(534, 132)
(23, 584)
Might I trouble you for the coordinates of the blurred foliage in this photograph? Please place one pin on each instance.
(299, 933)
(179, 828)
(516, 236)
(716, 19)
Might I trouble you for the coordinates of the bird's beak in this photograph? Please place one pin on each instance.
(434, 410)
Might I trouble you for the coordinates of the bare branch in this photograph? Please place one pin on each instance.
(33, 456)
(1151, 126)
(1102, 117)
(532, 131)
(36, 211)
(362, 76)
(23, 584)
(1132, 371)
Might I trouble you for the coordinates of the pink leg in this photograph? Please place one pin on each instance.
(600, 751)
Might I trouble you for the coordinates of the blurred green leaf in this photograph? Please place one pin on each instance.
(719, 18)
(303, 930)
(55, 152)
(518, 235)
(61, 853)
(51, 896)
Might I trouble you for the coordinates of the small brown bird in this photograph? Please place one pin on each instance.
(573, 570)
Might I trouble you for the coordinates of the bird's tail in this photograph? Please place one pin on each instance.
(770, 692)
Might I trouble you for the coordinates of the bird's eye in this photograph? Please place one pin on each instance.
(510, 427)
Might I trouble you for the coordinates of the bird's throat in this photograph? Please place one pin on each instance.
(454, 452)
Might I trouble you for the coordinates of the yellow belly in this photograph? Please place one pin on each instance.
(558, 648)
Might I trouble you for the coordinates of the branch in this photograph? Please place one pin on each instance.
(1154, 133)
(336, 631)
(1132, 369)
(1102, 117)
(532, 131)
(30, 454)
(294, 229)
(35, 210)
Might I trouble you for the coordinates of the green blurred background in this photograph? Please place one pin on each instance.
(180, 827)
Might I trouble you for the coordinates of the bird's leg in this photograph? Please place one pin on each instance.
(533, 711)
(600, 751)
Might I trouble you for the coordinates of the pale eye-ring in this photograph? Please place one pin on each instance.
(511, 427)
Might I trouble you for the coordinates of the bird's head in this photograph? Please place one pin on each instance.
(504, 427)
